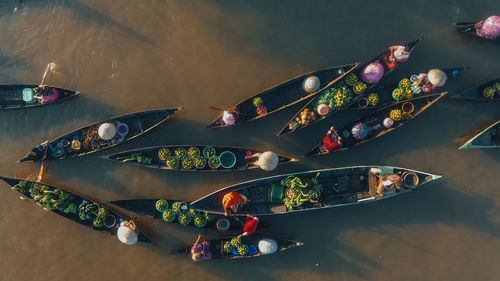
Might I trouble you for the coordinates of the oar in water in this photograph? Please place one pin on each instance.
(50, 67)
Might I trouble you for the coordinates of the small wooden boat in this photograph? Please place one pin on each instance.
(86, 140)
(199, 158)
(284, 95)
(316, 189)
(375, 122)
(342, 85)
(469, 29)
(478, 92)
(71, 206)
(216, 247)
(21, 96)
(148, 207)
(488, 138)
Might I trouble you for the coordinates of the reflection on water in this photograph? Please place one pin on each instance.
(127, 57)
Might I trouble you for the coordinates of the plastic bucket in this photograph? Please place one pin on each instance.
(223, 224)
(109, 221)
(227, 159)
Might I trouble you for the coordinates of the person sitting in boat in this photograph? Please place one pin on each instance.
(488, 28)
(232, 201)
(250, 226)
(201, 251)
(38, 154)
(332, 141)
(46, 94)
(387, 181)
(396, 55)
(267, 161)
(229, 117)
(431, 80)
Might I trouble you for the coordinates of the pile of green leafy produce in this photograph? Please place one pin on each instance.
(335, 97)
(300, 190)
(49, 198)
(138, 157)
(92, 211)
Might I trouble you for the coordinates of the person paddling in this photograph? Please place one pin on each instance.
(489, 28)
(332, 141)
(250, 226)
(201, 251)
(232, 201)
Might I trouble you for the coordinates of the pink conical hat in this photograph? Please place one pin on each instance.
(372, 73)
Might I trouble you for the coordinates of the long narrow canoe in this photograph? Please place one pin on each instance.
(138, 124)
(216, 247)
(488, 138)
(333, 187)
(292, 125)
(469, 29)
(150, 157)
(477, 92)
(375, 122)
(11, 96)
(147, 207)
(284, 95)
(69, 208)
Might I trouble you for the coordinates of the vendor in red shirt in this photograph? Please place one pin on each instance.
(396, 55)
(332, 141)
(250, 226)
(232, 201)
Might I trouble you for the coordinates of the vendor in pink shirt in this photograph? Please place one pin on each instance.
(46, 94)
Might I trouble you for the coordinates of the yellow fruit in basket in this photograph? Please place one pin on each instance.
(396, 114)
(408, 94)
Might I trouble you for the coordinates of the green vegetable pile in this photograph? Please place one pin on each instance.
(193, 152)
(188, 163)
(300, 190)
(214, 162)
(235, 242)
(351, 79)
(200, 162)
(208, 152)
(258, 102)
(373, 99)
(228, 247)
(168, 215)
(200, 220)
(173, 163)
(335, 97)
(497, 87)
(90, 210)
(161, 205)
(180, 153)
(184, 218)
(138, 157)
(243, 249)
(489, 93)
(49, 198)
(164, 154)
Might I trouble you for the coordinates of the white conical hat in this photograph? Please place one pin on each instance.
(127, 235)
(311, 84)
(268, 246)
(268, 161)
(437, 77)
(107, 131)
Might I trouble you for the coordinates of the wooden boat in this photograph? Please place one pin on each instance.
(62, 147)
(476, 93)
(375, 122)
(468, 28)
(147, 207)
(284, 95)
(327, 188)
(216, 247)
(488, 138)
(11, 96)
(111, 220)
(150, 157)
(292, 125)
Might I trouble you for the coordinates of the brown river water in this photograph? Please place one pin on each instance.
(127, 56)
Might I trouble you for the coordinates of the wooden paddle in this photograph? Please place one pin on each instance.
(50, 67)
